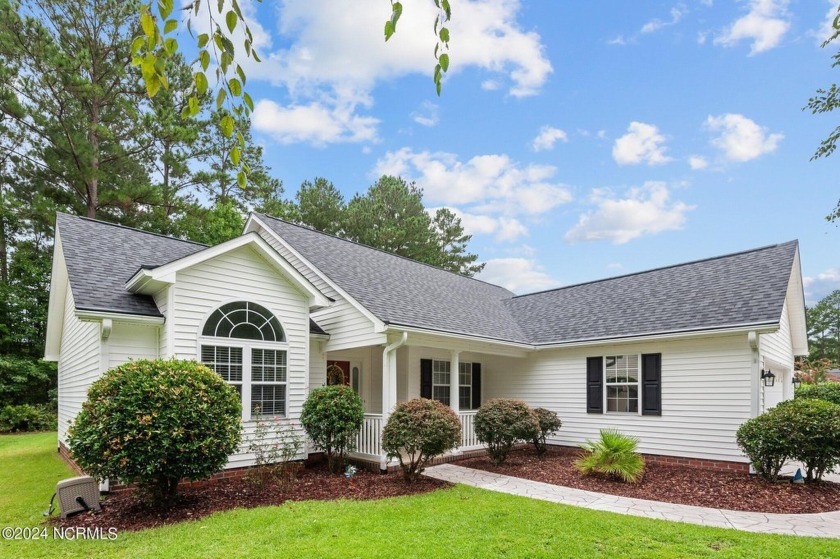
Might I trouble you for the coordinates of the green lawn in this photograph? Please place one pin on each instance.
(460, 522)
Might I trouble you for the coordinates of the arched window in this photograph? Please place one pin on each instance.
(254, 364)
(244, 320)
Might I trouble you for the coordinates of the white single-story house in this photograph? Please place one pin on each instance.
(673, 356)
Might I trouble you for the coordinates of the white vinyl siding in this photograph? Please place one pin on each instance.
(776, 355)
(78, 364)
(705, 394)
(130, 342)
(347, 326)
(244, 275)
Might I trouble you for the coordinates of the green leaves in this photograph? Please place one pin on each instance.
(391, 24)
(231, 19)
(441, 35)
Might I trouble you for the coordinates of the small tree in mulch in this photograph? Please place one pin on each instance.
(614, 455)
(155, 423)
(274, 444)
(501, 423)
(549, 424)
(418, 431)
(332, 417)
(766, 442)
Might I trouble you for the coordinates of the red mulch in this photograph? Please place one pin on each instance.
(126, 512)
(673, 484)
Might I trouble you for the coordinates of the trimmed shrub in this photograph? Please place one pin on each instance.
(332, 417)
(419, 430)
(501, 423)
(766, 440)
(614, 455)
(549, 424)
(816, 437)
(828, 391)
(26, 417)
(155, 423)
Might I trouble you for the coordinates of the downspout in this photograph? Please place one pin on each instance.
(755, 384)
(389, 387)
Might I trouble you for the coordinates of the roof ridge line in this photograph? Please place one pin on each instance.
(657, 269)
(310, 229)
(135, 229)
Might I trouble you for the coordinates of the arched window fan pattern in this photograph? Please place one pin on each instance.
(245, 321)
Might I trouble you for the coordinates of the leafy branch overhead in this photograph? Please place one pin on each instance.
(155, 46)
(443, 17)
(826, 101)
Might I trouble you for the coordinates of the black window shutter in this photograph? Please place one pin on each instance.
(476, 385)
(594, 385)
(652, 384)
(426, 378)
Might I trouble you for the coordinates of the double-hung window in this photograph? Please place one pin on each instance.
(440, 381)
(245, 344)
(622, 383)
(441, 387)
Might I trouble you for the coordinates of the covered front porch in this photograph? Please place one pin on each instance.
(459, 373)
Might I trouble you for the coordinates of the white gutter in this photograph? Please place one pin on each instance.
(119, 317)
(389, 385)
(755, 380)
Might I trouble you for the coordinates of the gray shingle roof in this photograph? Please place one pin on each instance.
(744, 288)
(403, 292)
(102, 256)
(737, 289)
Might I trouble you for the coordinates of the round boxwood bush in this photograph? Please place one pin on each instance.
(766, 440)
(332, 417)
(828, 391)
(419, 430)
(155, 423)
(501, 423)
(549, 424)
(816, 438)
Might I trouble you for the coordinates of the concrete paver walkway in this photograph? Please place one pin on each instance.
(822, 525)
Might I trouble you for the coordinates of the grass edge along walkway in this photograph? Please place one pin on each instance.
(457, 522)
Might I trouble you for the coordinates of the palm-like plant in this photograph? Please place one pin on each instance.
(614, 456)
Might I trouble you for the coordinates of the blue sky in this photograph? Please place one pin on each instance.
(577, 140)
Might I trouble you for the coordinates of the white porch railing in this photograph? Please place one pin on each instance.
(468, 439)
(369, 438)
(368, 441)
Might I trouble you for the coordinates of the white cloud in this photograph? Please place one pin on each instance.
(643, 211)
(520, 275)
(817, 287)
(677, 12)
(503, 229)
(698, 162)
(765, 24)
(427, 116)
(314, 123)
(618, 41)
(547, 137)
(642, 144)
(490, 85)
(494, 183)
(740, 138)
(336, 43)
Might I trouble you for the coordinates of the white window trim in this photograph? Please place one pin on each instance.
(638, 384)
(247, 346)
(448, 385)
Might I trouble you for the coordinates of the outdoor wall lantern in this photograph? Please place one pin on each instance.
(797, 382)
(768, 377)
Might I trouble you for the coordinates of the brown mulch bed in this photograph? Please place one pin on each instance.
(126, 512)
(673, 484)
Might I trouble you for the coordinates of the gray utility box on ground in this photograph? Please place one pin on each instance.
(77, 494)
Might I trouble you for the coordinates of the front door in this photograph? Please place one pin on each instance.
(332, 372)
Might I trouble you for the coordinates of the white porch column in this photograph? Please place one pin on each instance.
(389, 384)
(454, 382)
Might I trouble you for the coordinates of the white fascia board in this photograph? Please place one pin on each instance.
(463, 342)
(98, 316)
(762, 328)
(796, 308)
(151, 280)
(59, 281)
(255, 222)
